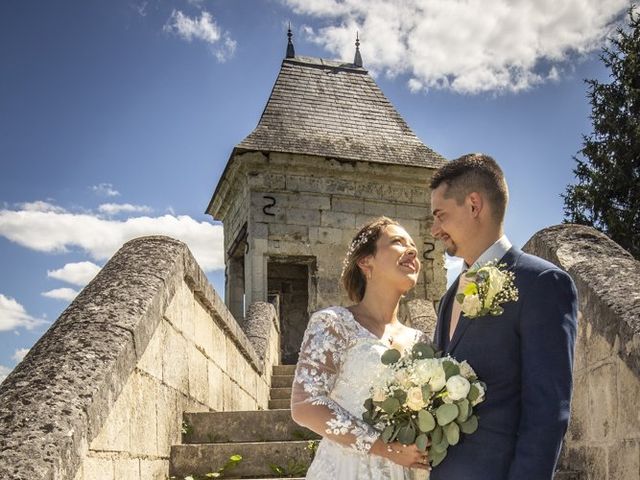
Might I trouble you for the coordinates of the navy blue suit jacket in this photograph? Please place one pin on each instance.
(525, 356)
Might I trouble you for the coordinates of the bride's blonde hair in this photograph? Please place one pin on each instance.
(362, 245)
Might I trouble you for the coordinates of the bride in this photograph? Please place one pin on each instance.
(340, 356)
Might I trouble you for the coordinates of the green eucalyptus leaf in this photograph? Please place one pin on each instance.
(387, 433)
(474, 393)
(422, 350)
(452, 433)
(426, 422)
(450, 369)
(436, 435)
(470, 426)
(436, 457)
(446, 413)
(401, 395)
(426, 391)
(463, 406)
(390, 356)
(442, 446)
(407, 434)
(421, 442)
(391, 405)
(368, 404)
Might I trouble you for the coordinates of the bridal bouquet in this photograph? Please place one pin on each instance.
(423, 398)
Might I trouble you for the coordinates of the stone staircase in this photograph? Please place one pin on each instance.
(270, 443)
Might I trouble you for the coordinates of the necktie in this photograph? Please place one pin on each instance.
(456, 309)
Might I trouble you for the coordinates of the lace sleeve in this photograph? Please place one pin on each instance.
(323, 346)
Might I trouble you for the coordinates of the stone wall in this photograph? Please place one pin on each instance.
(101, 395)
(603, 441)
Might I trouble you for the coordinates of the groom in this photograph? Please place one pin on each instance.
(524, 355)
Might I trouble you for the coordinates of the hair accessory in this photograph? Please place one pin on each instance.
(356, 243)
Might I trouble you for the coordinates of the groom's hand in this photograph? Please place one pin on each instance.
(405, 455)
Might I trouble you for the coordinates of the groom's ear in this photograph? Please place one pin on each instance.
(476, 203)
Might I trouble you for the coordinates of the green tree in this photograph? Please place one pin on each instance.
(607, 191)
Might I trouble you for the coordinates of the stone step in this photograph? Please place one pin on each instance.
(257, 458)
(284, 369)
(277, 393)
(280, 403)
(250, 426)
(279, 381)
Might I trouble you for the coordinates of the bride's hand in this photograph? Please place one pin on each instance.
(405, 455)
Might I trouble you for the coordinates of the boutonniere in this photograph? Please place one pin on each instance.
(491, 286)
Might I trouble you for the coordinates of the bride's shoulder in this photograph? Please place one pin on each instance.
(335, 317)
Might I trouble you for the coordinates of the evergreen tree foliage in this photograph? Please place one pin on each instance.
(607, 192)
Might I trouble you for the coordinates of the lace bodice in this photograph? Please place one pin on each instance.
(338, 360)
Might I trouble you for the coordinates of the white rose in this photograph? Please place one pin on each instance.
(424, 369)
(471, 305)
(438, 380)
(458, 387)
(482, 391)
(414, 399)
(466, 371)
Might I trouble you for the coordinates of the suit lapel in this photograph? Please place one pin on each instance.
(444, 308)
(510, 259)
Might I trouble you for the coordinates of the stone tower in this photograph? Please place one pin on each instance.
(329, 153)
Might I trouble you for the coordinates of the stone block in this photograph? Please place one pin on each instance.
(302, 216)
(230, 392)
(203, 327)
(590, 461)
(412, 227)
(580, 411)
(259, 230)
(175, 369)
(96, 468)
(266, 181)
(338, 219)
(216, 387)
(628, 397)
(219, 347)
(597, 347)
(127, 468)
(151, 360)
(328, 235)
(624, 460)
(114, 435)
(347, 205)
(312, 202)
(154, 469)
(169, 419)
(413, 212)
(378, 209)
(296, 233)
(198, 378)
(603, 402)
(143, 429)
(580, 357)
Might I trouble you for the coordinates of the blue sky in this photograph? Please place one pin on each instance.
(117, 118)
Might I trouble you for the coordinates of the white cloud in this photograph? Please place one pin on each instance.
(204, 28)
(105, 190)
(67, 294)
(19, 354)
(468, 46)
(4, 372)
(59, 232)
(79, 273)
(115, 208)
(14, 316)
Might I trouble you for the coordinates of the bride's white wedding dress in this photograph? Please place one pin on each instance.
(338, 360)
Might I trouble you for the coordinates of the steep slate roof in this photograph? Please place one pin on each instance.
(331, 109)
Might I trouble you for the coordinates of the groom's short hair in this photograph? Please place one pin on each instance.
(474, 172)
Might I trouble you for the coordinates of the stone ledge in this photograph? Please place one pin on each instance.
(57, 399)
(607, 278)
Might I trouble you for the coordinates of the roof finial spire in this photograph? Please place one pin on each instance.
(357, 61)
(290, 51)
